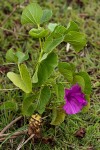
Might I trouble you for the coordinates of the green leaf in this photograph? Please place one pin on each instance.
(76, 39)
(21, 56)
(44, 99)
(23, 81)
(54, 39)
(51, 43)
(58, 116)
(85, 76)
(35, 77)
(38, 33)
(72, 26)
(16, 79)
(47, 14)
(25, 76)
(11, 56)
(46, 67)
(18, 56)
(86, 108)
(73, 67)
(9, 105)
(32, 14)
(59, 90)
(66, 70)
(80, 80)
(31, 109)
(51, 26)
(59, 30)
(44, 56)
(28, 107)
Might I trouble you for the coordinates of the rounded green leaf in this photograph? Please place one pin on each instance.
(38, 33)
(80, 80)
(54, 39)
(72, 26)
(23, 81)
(32, 14)
(51, 43)
(46, 67)
(44, 56)
(47, 14)
(51, 26)
(17, 81)
(35, 77)
(58, 116)
(86, 108)
(28, 106)
(11, 56)
(67, 70)
(9, 105)
(44, 99)
(25, 76)
(21, 56)
(59, 90)
(76, 39)
(87, 80)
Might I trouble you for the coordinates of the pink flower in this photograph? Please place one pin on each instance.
(75, 100)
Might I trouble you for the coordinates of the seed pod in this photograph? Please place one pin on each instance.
(35, 124)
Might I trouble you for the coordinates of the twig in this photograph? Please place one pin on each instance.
(14, 9)
(16, 134)
(13, 32)
(6, 64)
(21, 142)
(21, 145)
(10, 124)
(9, 89)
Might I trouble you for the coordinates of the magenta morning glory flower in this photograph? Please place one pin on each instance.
(75, 100)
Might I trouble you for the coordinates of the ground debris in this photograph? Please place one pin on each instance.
(4, 69)
(35, 124)
(48, 140)
(90, 148)
(80, 133)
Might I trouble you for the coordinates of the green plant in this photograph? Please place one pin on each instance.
(45, 89)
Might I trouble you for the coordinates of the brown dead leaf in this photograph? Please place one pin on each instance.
(48, 140)
(4, 69)
(80, 133)
(90, 148)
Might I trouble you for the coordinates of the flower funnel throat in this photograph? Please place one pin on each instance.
(75, 100)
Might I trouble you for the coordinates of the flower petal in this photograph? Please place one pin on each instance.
(76, 89)
(75, 100)
(67, 92)
(73, 107)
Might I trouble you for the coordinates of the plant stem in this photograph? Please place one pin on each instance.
(11, 31)
(10, 124)
(41, 50)
(21, 145)
(15, 135)
(40, 56)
